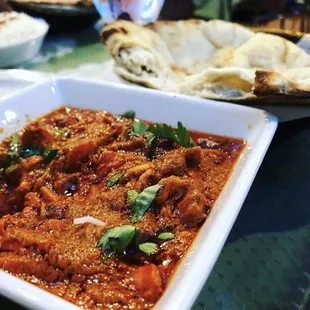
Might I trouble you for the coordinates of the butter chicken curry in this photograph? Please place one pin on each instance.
(99, 209)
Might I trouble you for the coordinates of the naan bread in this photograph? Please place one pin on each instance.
(215, 59)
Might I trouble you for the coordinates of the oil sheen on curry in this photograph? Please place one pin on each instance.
(99, 209)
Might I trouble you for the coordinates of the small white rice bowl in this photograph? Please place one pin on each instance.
(21, 38)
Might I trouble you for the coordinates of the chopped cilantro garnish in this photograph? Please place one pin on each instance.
(180, 135)
(58, 132)
(129, 114)
(31, 151)
(17, 152)
(149, 248)
(50, 154)
(11, 169)
(115, 178)
(165, 236)
(139, 128)
(132, 196)
(117, 240)
(143, 202)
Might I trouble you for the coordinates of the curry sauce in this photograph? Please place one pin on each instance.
(99, 209)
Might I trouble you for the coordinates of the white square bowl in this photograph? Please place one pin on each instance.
(255, 126)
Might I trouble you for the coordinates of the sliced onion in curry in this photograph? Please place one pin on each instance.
(88, 219)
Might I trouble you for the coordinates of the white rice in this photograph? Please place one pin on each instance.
(17, 27)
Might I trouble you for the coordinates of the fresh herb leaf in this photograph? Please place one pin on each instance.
(14, 146)
(139, 128)
(50, 154)
(163, 131)
(117, 239)
(11, 169)
(138, 237)
(149, 143)
(132, 196)
(129, 114)
(165, 236)
(13, 156)
(183, 136)
(143, 202)
(107, 256)
(149, 140)
(179, 135)
(149, 248)
(31, 151)
(17, 152)
(115, 178)
(58, 132)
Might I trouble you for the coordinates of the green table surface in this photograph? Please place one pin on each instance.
(264, 264)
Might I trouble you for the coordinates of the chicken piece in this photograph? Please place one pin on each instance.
(173, 187)
(24, 186)
(67, 184)
(193, 157)
(14, 174)
(168, 217)
(27, 265)
(42, 180)
(48, 195)
(35, 135)
(32, 200)
(29, 212)
(107, 157)
(144, 179)
(148, 282)
(78, 153)
(53, 225)
(17, 196)
(176, 162)
(15, 201)
(171, 164)
(24, 238)
(106, 167)
(136, 144)
(56, 212)
(135, 172)
(192, 208)
(31, 162)
(110, 160)
(4, 205)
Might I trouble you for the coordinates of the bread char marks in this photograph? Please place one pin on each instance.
(215, 59)
(106, 34)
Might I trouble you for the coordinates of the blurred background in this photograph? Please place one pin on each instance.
(74, 15)
(74, 25)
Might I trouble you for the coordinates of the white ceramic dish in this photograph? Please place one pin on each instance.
(256, 126)
(16, 53)
(16, 79)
